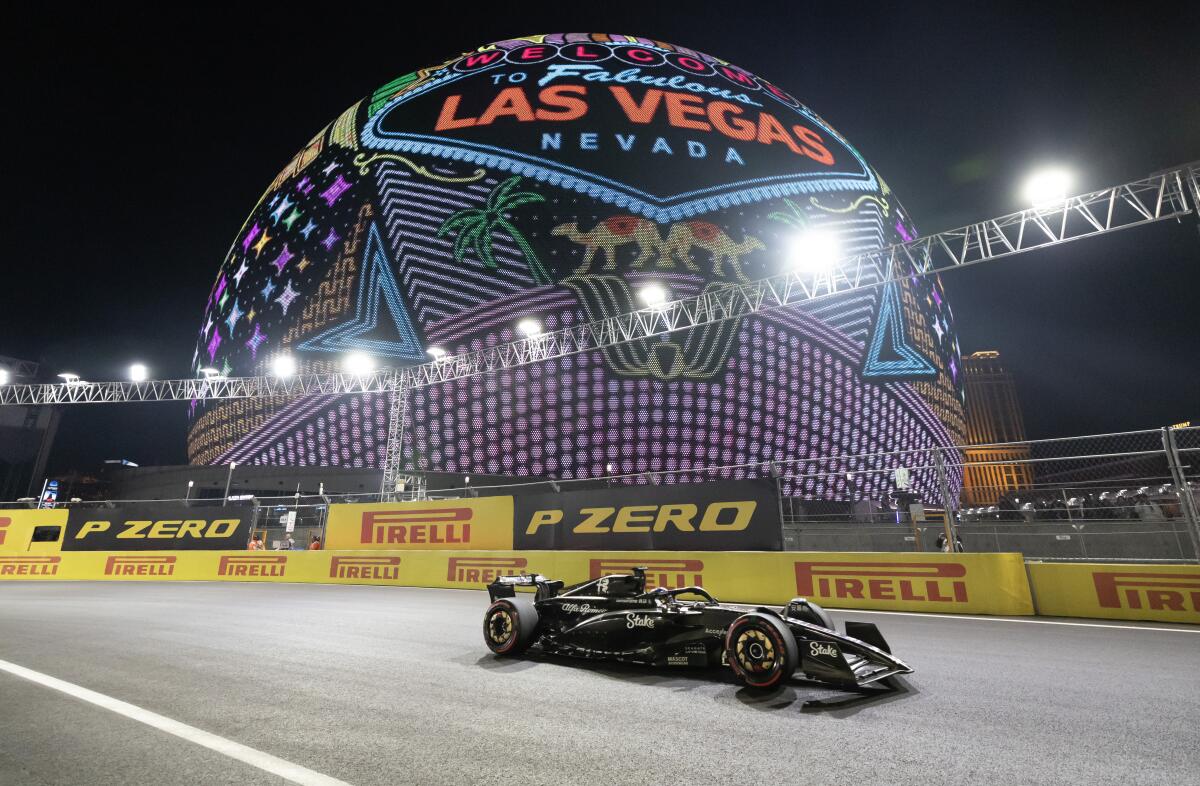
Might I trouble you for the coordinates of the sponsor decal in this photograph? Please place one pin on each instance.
(1153, 591)
(420, 525)
(678, 660)
(372, 568)
(639, 621)
(715, 631)
(156, 527)
(139, 566)
(602, 586)
(581, 608)
(669, 573)
(723, 516)
(29, 566)
(483, 570)
(263, 565)
(4, 522)
(818, 650)
(934, 582)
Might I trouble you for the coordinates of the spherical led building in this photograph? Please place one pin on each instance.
(556, 177)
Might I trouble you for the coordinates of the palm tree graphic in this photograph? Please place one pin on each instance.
(475, 226)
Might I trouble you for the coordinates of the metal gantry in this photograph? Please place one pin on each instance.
(1170, 194)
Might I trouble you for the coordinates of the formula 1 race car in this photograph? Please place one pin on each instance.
(615, 618)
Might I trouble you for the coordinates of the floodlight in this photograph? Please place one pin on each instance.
(283, 366)
(1048, 187)
(437, 353)
(653, 295)
(529, 327)
(814, 252)
(4, 378)
(359, 364)
(138, 373)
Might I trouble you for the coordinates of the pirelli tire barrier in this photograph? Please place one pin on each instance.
(965, 583)
(1161, 593)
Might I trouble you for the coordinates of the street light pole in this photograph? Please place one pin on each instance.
(229, 480)
(188, 496)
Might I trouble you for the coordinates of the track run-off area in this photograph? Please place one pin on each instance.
(196, 683)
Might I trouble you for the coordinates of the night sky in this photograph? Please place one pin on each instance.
(136, 147)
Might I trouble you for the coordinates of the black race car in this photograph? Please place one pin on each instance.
(615, 618)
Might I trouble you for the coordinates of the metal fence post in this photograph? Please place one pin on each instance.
(939, 463)
(1187, 502)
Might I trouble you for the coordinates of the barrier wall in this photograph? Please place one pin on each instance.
(963, 583)
(1162, 593)
(17, 531)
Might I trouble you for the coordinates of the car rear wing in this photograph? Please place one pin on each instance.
(506, 586)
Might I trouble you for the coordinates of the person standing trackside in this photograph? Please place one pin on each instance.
(315, 545)
(255, 543)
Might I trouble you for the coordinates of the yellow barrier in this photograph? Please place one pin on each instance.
(483, 523)
(16, 530)
(1162, 593)
(962, 583)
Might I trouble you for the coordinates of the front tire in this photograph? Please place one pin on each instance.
(761, 650)
(509, 625)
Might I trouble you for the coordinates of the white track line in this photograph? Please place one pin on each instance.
(1012, 619)
(293, 773)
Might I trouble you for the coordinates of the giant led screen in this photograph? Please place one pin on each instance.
(554, 177)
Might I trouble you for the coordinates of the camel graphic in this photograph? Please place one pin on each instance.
(609, 235)
(673, 252)
(711, 238)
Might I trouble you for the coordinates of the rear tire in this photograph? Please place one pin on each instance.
(761, 650)
(509, 625)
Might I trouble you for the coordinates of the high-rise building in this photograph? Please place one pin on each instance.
(994, 423)
(26, 434)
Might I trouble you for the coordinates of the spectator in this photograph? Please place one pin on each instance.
(256, 543)
(315, 545)
(941, 543)
(288, 543)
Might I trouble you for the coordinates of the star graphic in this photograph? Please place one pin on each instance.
(208, 325)
(262, 241)
(937, 328)
(308, 228)
(224, 299)
(305, 185)
(226, 368)
(281, 261)
(268, 289)
(278, 212)
(330, 239)
(213, 345)
(241, 271)
(220, 289)
(287, 296)
(251, 315)
(235, 314)
(291, 219)
(953, 369)
(274, 199)
(938, 298)
(255, 342)
(338, 187)
(304, 262)
(253, 233)
(332, 166)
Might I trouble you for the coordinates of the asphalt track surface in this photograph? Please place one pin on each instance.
(381, 685)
